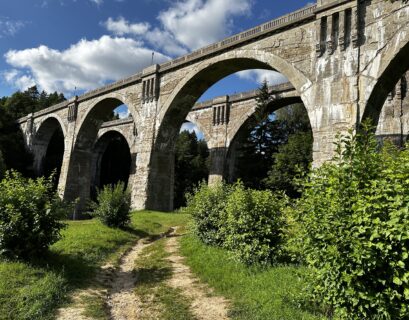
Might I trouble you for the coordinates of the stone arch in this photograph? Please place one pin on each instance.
(247, 118)
(50, 134)
(113, 100)
(101, 169)
(122, 133)
(243, 127)
(203, 129)
(176, 107)
(78, 176)
(394, 62)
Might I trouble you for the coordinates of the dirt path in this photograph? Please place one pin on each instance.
(116, 288)
(204, 304)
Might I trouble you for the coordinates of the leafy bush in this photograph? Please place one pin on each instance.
(355, 214)
(250, 223)
(255, 225)
(113, 205)
(30, 215)
(206, 206)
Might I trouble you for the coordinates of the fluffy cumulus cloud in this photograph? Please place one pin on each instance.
(122, 27)
(186, 25)
(259, 75)
(85, 65)
(196, 23)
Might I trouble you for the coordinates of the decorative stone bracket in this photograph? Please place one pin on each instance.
(150, 84)
(221, 110)
(73, 110)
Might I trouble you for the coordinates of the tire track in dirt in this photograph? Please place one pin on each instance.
(205, 305)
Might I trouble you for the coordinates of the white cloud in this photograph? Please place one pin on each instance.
(85, 65)
(197, 23)
(122, 111)
(186, 25)
(191, 127)
(259, 75)
(19, 80)
(9, 27)
(122, 27)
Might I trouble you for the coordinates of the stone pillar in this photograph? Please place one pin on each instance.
(64, 189)
(152, 186)
(218, 145)
(217, 164)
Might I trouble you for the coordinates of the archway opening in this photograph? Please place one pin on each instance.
(386, 104)
(393, 123)
(176, 109)
(271, 147)
(112, 161)
(54, 156)
(48, 149)
(80, 172)
(191, 162)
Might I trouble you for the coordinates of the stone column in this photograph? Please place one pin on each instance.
(64, 189)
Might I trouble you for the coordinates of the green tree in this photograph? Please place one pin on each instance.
(190, 165)
(266, 134)
(12, 108)
(354, 214)
(292, 158)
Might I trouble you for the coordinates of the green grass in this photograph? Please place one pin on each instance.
(255, 293)
(34, 290)
(153, 270)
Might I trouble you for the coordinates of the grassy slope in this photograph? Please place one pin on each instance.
(33, 291)
(256, 294)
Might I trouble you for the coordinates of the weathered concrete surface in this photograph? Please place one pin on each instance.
(342, 57)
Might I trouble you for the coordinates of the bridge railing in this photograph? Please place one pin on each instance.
(279, 88)
(267, 27)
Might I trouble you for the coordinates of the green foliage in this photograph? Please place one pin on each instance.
(249, 223)
(113, 208)
(16, 106)
(254, 225)
(264, 135)
(207, 207)
(292, 158)
(29, 215)
(190, 165)
(355, 217)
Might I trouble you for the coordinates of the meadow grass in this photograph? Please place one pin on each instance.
(159, 299)
(33, 290)
(256, 293)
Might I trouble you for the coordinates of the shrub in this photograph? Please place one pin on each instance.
(30, 215)
(355, 214)
(206, 206)
(113, 205)
(255, 224)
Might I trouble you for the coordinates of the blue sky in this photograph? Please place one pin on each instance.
(63, 44)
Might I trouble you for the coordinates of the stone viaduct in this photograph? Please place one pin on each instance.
(344, 59)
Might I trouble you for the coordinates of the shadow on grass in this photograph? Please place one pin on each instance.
(75, 268)
(152, 276)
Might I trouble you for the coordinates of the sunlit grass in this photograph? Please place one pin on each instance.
(34, 290)
(255, 293)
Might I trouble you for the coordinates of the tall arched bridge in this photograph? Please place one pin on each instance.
(343, 58)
